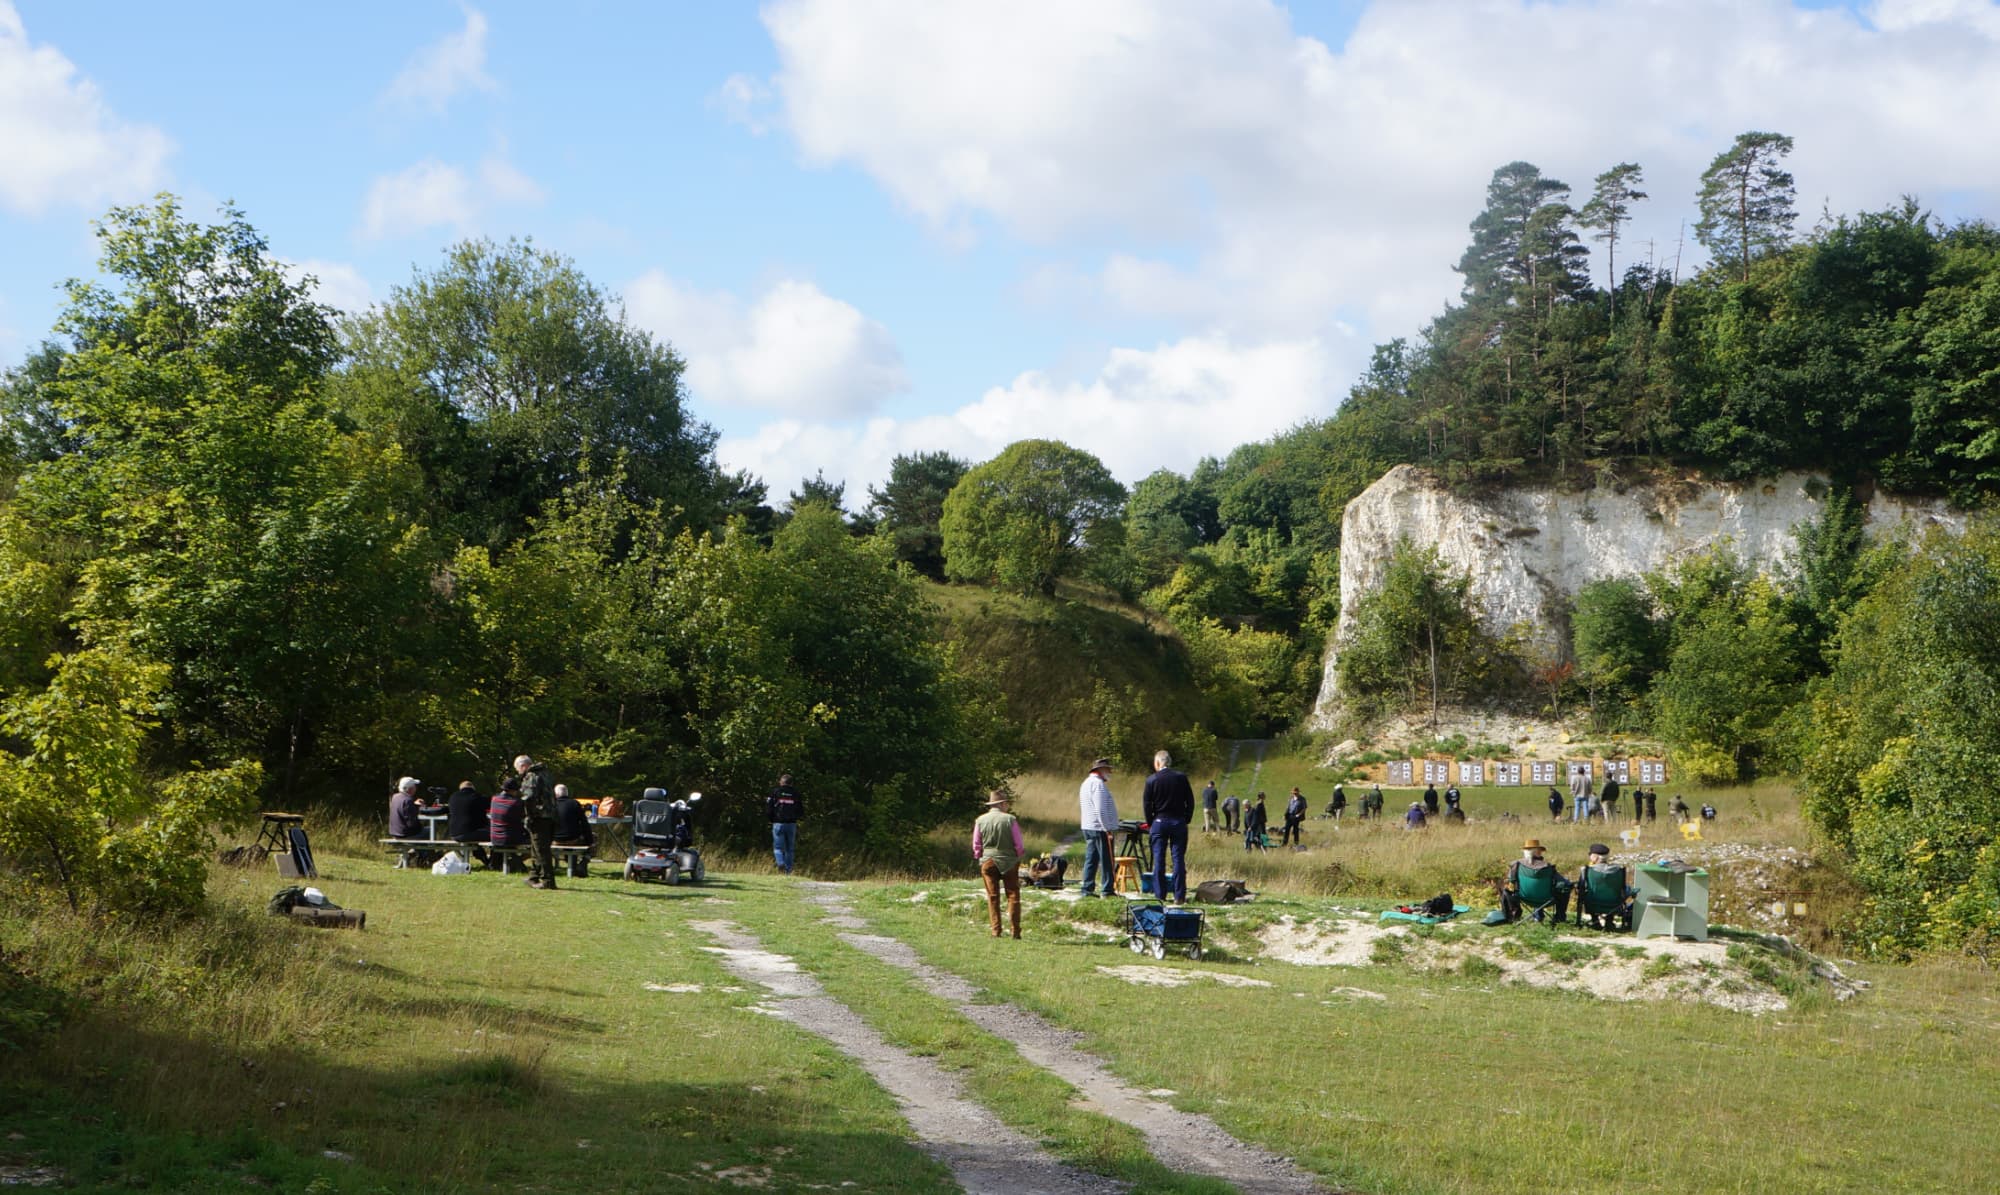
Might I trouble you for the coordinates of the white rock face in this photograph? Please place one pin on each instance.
(1529, 550)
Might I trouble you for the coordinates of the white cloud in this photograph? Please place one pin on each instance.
(434, 194)
(59, 141)
(339, 284)
(1291, 179)
(1145, 409)
(455, 63)
(795, 349)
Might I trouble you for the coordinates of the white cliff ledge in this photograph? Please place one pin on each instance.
(1529, 549)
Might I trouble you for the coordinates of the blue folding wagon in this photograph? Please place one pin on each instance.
(1150, 927)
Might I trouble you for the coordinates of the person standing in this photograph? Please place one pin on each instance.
(1208, 798)
(1451, 798)
(1377, 802)
(538, 810)
(997, 848)
(1254, 822)
(782, 809)
(1555, 804)
(1169, 807)
(1607, 798)
(1652, 804)
(1430, 798)
(1337, 807)
(1232, 814)
(1100, 820)
(1294, 833)
(1579, 791)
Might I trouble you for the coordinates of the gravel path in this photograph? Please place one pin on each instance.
(1184, 1141)
(984, 1154)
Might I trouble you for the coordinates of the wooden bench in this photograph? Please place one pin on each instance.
(573, 860)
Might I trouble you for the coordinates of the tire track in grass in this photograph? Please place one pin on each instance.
(1188, 1142)
(984, 1154)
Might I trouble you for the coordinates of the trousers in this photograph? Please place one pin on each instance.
(996, 878)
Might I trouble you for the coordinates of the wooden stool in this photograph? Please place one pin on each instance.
(1126, 877)
(275, 836)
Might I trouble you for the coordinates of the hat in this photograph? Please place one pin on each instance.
(998, 799)
(1598, 848)
(1102, 765)
(510, 785)
(1533, 844)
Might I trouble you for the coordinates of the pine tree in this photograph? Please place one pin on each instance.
(1746, 201)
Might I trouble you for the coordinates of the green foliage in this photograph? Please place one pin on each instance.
(910, 505)
(1746, 201)
(1115, 715)
(1730, 677)
(1415, 638)
(505, 375)
(1617, 648)
(1898, 769)
(1039, 511)
(79, 809)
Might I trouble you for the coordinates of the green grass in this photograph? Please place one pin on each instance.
(478, 1035)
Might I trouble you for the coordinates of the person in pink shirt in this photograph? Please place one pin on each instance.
(997, 848)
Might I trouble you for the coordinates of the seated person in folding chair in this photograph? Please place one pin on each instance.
(1534, 885)
(465, 818)
(572, 824)
(1602, 895)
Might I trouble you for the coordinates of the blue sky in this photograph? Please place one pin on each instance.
(1152, 228)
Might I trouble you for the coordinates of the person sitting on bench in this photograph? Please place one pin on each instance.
(403, 810)
(506, 822)
(465, 818)
(572, 826)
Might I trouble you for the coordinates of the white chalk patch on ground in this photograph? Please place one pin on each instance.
(920, 897)
(1324, 944)
(1357, 993)
(1175, 977)
(1161, 1093)
(673, 987)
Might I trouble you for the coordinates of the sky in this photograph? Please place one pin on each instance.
(1154, 229)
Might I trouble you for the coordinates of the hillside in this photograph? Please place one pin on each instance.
(1048, 654)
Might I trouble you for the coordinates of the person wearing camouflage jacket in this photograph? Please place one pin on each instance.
(538, 804)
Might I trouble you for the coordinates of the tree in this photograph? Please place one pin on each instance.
(1416, 634)
(1517, 233)
(817, 491)
(1729, 680)
(910, 505)
(1610, 206)
(1746, 202)
(1900, 746)
(505, 373)
(1038, 512)
(1617, 646)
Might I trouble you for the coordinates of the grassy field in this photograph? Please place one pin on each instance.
(479, 1035)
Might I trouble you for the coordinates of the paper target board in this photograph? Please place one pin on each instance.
(1507, 775)
(1542, 771)
(1471, 772)
(1437, 771)
(1652, 771)
(1398, 771)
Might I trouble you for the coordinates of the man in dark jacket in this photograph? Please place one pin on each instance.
(1255, 819)
(1294, 833)
(783, 808)
(1430, 798)
(1169, 807)
(538, 810)
(465, 818)
(572, 824)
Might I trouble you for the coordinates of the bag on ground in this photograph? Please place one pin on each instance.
(453, 864)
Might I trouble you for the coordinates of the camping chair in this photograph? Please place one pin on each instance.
(1603, 896)
(1540, 887)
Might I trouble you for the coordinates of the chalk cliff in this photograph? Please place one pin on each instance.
(1530, 549)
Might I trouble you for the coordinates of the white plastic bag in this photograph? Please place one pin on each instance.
(453, 864)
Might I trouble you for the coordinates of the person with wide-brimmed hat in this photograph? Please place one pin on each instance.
(1532, 859)
(1099, 820)
(997, 847)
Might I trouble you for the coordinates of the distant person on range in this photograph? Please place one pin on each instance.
(1208, 799)
(997, 848)
(1638, 805)
(782, 808)
(1099, 821)
(538, 809)
(1376, 801)
(1232, 814)
(1652, 804)
(1579, 791)
(1294, 833)
(1451, 798)
(1680, 808)
(1169, 807)
(1255, 821)
(1707, 812)
(1337, 807)
(1414, 819)
(1555, 804)
(1607, 799)
(1430, 798)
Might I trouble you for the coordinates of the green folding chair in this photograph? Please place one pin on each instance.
(1605, 897)
(1540, 888)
